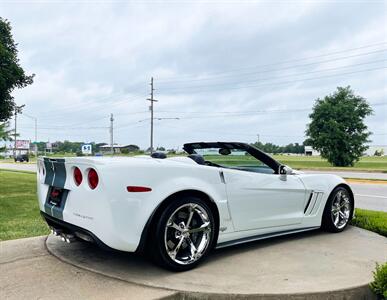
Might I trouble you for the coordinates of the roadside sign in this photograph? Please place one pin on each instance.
(22, 144)
(87, 149)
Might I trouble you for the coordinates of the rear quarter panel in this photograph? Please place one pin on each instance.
(117, 217)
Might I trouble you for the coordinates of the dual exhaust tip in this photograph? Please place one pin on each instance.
(65, 237)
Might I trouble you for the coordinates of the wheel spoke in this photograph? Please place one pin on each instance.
(191, 212)
(337, 218)
(343, 216)
(174, 252)
(175, 226)
(193, 249)
(205, 226)
(345, 203)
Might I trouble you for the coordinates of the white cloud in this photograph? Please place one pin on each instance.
(93, 59)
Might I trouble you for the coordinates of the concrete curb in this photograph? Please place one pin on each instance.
(356, 293)
(365, 180)
(106, 265)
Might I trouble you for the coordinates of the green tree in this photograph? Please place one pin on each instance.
(11, 73)
(4, 132)
(337, 127)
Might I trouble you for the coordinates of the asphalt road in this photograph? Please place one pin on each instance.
(368, 196)
(360, 175)
(19, 166)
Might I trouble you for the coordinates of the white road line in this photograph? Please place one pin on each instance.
(373, 196)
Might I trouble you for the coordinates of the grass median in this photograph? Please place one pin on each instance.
(19, 209)
(375, 221)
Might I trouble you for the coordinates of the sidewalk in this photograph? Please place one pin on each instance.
(28, 271)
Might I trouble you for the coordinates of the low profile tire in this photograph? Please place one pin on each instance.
(184, 234)
(338, 210)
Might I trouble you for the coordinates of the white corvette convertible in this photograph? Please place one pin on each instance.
(179, 208)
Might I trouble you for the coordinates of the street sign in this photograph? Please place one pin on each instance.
(87, 149)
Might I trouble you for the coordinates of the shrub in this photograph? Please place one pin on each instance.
(379, 285)
(79, 153)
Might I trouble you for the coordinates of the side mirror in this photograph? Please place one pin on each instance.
(284, 171)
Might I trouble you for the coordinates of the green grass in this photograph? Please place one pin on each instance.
(370, 164)
(375, 221)
(19, 209)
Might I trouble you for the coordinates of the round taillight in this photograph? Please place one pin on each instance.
(77, 176)
(92, 176)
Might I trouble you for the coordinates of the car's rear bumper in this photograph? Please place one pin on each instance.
(77, 231)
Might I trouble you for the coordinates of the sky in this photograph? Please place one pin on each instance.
(223, 70)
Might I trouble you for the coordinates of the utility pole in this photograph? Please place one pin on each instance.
(36, 136)
(151, 99)
(36, 132)
(18, 109)
(111, 134)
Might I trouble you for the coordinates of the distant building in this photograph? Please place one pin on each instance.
(373, 148)
(309, 151)
(118, 148)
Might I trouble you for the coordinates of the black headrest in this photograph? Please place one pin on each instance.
(158, 155)
(197, 158)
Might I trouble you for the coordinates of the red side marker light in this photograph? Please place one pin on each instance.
(138, 189)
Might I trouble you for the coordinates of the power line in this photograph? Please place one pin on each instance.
(286, 76)
(222, 114)
(88, 105)
(168, 79)
(278, 83)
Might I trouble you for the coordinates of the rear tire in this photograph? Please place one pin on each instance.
(338, 210)
(184, 234)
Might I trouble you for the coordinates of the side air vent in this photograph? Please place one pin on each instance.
(307, 204)
(313, 203)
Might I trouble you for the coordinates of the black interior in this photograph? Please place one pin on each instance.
(197, 158)
(258, 154)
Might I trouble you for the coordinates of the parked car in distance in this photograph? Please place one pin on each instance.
(22, 158)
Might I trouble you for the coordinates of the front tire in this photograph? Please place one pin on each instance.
(338, 210)
(184, 234)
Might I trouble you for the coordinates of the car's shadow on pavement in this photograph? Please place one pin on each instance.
(89, 254)
(238, 249)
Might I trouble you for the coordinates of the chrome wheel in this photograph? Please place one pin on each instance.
(341, 209)
(187, 233)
